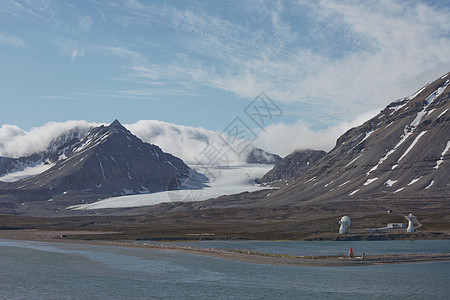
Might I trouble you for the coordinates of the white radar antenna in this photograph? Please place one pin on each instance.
(345, 223)
(410, 219)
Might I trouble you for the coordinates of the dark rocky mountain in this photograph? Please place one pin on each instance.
(292, 166)
(402, 153)
(107, 161)
(259, 156)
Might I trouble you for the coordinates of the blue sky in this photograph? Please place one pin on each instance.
(327, 64)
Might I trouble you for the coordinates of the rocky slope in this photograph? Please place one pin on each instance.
(292, 166)
(402, 153)
(107, 161)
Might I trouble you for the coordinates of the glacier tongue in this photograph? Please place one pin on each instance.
(229, 180)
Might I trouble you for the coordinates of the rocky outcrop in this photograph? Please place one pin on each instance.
(293, 166)
(259, 156)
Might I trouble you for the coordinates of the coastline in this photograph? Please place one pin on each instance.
(229, 254)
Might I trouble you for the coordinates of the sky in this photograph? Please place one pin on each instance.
(324, 66)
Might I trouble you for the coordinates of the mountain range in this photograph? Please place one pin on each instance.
(401, 153)
(107, 161)
(87, 163)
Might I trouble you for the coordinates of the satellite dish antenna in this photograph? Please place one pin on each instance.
(410, 219)
(345, 223)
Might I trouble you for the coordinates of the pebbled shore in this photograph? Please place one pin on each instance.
(235, 255)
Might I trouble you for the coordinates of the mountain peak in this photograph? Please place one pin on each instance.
(115, 123)
(116, 127)
(107, 161)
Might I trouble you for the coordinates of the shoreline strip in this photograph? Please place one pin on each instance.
(229, 254)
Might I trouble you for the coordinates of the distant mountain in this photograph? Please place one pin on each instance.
(259, 156)
(107, 161)
(403, 152)
(293, 166)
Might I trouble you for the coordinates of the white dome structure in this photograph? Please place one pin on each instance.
(410, 219)
(345, 223)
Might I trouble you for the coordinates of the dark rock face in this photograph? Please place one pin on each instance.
(259, 156)
(293, 166)
(403, 152)
(108, 160)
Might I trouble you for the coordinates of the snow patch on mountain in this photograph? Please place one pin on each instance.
(354, 192)
(26, 172)
(390, 183)
(350, 163)
(442, 113)
(399, 190)
(441, 159)
(341, 185)
(397, 107)
(430, 185)
(412, 145)
(414, 180)
(409, 130)
(369, 181)
(417, 93)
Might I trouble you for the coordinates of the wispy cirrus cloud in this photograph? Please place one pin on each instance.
(374, 53)
(328, 61)
(36, 10)
(70, 48)
(12, 40)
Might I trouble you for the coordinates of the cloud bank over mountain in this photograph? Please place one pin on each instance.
(186, 142)
(16, 142)
(283, 139)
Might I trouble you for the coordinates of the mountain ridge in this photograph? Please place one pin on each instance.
(107, 161)
(292, 166)
(400, 153)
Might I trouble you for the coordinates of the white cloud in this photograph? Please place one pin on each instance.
(182, 141)
(36, 10)
(283, 138)
(8, 133)
(15, 142)
(401, 49)
(185, 142)
(408, 43)
(378, 51)
(12, 40)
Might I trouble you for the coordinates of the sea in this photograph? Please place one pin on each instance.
(42, 270)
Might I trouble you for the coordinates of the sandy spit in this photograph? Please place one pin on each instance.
(234, 255)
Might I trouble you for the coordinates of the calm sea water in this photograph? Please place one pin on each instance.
(37, 270)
